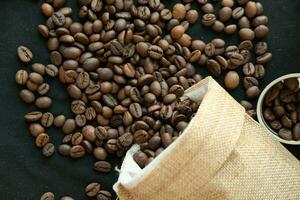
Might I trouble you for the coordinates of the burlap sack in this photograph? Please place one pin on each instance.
(222, 154)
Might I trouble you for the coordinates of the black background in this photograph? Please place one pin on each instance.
(24, 172)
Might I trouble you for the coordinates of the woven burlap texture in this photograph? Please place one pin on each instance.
(222, 154)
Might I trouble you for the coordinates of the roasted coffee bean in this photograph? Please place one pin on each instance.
(69, 126)
(249, 82)
(88, 133)
(208, 8)
(264, 58)
(291, 84)
(140, 158)
(33, 116)
(287, 96)
(259, 72)
(237, 59)
(21, 77)
(24, 54)
(252, 92)
(51, 70)
(64, 149)
(36, 129)
(261, 48)
(38, 68)
(286, 122)
(43, 102)
(155, 52)
(276, 125)
(136, 110)
(77, 151)
(231, 80)
(47, 119)
(100, 153)
(214, 67)
(48, 196)
(92, 189)
(246, 34)
(58, 18)
(48, 150)
(125, 140)
(43, 88)
(208, 19)
(238, 12)
(230, 29)
(104, 195)
(248, 69)
(285, 134)
(27, 96)
(102, 166)
(41, 140)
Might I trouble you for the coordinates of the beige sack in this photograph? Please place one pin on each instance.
(222, 154)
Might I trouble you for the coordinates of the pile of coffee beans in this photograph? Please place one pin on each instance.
(126, 66)
(92, 190)
(282, 109)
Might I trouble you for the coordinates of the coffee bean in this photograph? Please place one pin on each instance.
(77, 151)
(104, 195)
(214, 67)
(238, 13)
(225, 14)
(155, 52)
(208, 8)
(43, 88)
(36, 129)
(248, 69)
(261, 31)
(59, 120)
(100, 153)
(230, 29)
(286, 122)
(265, 58)
(179, 11)
(47, 119)
(92, 189)
(208, 19)
(51, 70)
(41, 140)
(291, 84)
(259, 72)
(140, 158)
(287, 96)
(252, 92)
(102, 166)
(249, 82)
(285, 134)
(24, 54)
(275, 125)
(246, 34)
(64, 149)
(27, 96)
(48, 196)
(136, 110)
(43, 102)
(58, 18)
(237, 59)
(69, 126)
(21, 77)
(261, 48)
(88, 133)
(192, 16)
(231, 80)
(48, 150)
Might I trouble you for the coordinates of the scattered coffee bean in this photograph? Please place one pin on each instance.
(48, 196)
(25, 55)
(48, 150)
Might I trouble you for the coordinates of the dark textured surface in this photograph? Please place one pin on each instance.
(24, 173)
